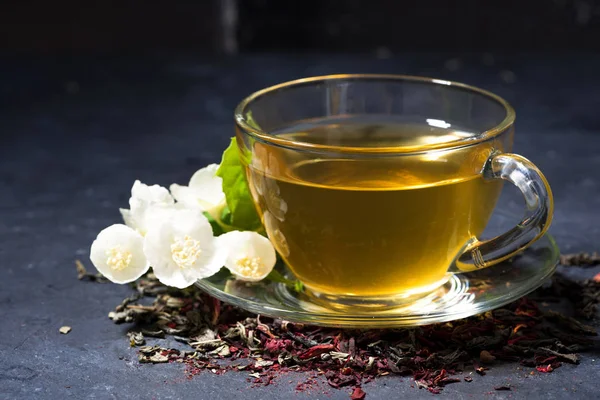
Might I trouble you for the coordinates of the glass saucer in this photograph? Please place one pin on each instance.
(461, 296)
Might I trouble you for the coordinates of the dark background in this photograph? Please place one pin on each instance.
(231, 26)
(96, 94)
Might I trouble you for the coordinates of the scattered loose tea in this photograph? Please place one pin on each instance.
(584, 296)
(545, 368)
(358, 394)
(486, 358)
(65, 329)
(580, 259)
(82, 274)
(217, 338)
(136, 339)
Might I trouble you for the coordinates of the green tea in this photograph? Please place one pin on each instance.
(372, 226)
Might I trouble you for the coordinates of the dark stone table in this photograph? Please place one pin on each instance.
(76, 132)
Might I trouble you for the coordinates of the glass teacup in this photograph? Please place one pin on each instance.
(375, 188)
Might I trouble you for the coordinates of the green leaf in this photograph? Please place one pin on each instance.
(275, 276)
(226, 216)
(243, 215)
(298, 286)
(217, 229)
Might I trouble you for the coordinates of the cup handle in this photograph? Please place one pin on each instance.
(540, 205)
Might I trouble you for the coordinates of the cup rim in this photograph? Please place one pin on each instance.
(266, 137)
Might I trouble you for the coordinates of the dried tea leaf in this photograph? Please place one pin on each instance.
(393, 367)
(195, 319)
(136, 339)
(453, 357)
(64, 329)
(338, 379)
(120, 317)
(205, 334)
(285, 358)
(339, 356)
(158, 358)
(172, 302)
(357, 394)
(421, 384)
(172, 328)
(571, 323)
(82, 274)
(370, 363)
(316, 351)
(222, 351)
(484, 342)
(182, 339)
(571, 358)
(81, 270)
(160, 334)
(486, 358)
(580, 259)
(301, 339)
(156, 354)
(207, 345)
(263, 363)
(148, 349)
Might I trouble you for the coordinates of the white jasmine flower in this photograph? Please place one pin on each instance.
(251, 256)
(118, 253)
(143, 195)
(148, 205)
(182, 248)
(205, 190)
(127, 217)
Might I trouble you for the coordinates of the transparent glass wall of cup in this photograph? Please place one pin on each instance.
(376, 222)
